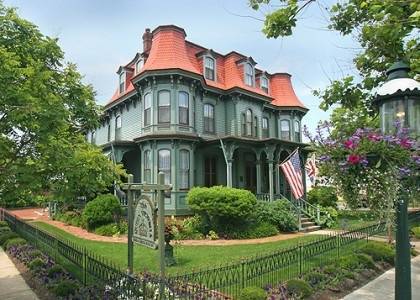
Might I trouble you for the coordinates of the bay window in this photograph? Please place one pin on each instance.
(183, 100)
(164, 107)
(285, 129)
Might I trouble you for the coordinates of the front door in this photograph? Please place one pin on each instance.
(250, 176)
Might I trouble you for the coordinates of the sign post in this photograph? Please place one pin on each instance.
(130, 225)
(161, 235)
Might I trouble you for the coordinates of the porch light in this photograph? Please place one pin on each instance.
(398, 99)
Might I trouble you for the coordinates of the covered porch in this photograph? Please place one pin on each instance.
(249, 164)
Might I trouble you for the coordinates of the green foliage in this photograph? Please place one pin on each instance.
(36, 263)
(348, 262)
(109, 230)
(278, 213)
(253, 293)
(298, 288)
(73, 218)
(65, 288)
(191, 228)
(6, 236)
(379, 252)
(328, 216)
(254, 231)
(324, 196)
(4, 230)
(315, 279)
(212, 235)
(18, 241)
(56, 269)
(415, 231)
(46, 110)
(365, 261)
(4, 224)
(103, 210)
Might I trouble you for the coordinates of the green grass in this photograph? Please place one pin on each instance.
(188, 257)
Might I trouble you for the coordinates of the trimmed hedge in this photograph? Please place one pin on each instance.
(103, 210)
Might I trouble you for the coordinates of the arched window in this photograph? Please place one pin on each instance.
(297, 131)
(118, 122)
(122, 82)
(208, 118)
(249, 75)
(184, 169)
(209, 72)
(255, 126)
(147, 163)
(164, 107)
(285, 129)
(248, 122)
(164, 164)
(265, 130)
(147, 109)
(264, 84)
(183, 101)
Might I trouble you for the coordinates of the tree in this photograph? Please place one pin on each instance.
(386, 30)
(45, 111)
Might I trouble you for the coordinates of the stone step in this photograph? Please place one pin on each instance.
(311, 228)
(308, 224)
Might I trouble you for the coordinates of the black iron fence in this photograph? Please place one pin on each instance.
(223, 282)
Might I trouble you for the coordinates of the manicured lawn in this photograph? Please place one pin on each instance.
(188, 257)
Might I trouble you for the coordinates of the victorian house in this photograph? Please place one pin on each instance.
(202, 118)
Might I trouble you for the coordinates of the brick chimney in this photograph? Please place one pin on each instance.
(147, 40)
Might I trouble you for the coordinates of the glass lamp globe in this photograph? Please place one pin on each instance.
(398, 99)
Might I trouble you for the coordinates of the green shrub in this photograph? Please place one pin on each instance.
(4, 224)
(279, 213)
(298, 288)
(328, 216)
(253, 293)
(36, 253)
(14, 242)
(56, 269)
(379, 252)
(250, 231)
(7, 236)
(220, 205)
(365, 260)
(4, 230)
(191, 229)
(103, 210)
(65, 288)
(108, 230)
(415, 231)
(36, 263)
(349, 262)
(73, 218)
(323, 195)
(331, 269)
(315, 278)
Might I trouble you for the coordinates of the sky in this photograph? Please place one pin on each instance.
(101, 35)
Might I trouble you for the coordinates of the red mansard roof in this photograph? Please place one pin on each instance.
(170, 50)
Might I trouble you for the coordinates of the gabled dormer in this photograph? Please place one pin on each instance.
(262, 78)
(248, 66)
(124, 75)
(208, 58)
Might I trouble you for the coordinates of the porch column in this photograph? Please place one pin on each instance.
(277, 173)
(270, 179)
(229, 173)
(258, 169)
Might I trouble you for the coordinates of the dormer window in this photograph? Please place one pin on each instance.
(139, 65)
(209, 68)
(264, 84)
(122, 82)
(249, 74)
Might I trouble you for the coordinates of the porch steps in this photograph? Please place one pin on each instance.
(308, 225)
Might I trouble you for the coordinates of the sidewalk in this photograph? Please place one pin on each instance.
(383, 287)
(12, 285)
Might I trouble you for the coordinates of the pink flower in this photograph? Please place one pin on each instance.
(406, 143)
(354, 159)
(349, 144)
(374, 137)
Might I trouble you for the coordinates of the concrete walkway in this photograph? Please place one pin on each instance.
(12, 285)
(382, 288)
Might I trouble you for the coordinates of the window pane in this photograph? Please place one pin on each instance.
(118, 122)
(255, 126)
(147, 166)
(209, 63)
(209, 68)
(147, 101)
(183, 99)
(122, 82)
(208, 118)
(184, 169)
(164, 98)
(164, 164)
(147, 117)
(164, 114)
(285, 129)
(264, 123)
(249, 75)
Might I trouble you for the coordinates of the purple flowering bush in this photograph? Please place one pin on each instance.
(368, 167)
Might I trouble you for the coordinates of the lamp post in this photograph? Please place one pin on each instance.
(399, 99)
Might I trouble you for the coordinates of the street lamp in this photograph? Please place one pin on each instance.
(399, 99)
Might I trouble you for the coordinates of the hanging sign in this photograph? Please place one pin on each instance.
(144, 227)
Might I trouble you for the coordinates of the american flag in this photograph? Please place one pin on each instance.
(293, 173)
(311, 168)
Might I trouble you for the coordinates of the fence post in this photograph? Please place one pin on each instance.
(242, 274)
(338, 245)
(300, 259)
(84, 267)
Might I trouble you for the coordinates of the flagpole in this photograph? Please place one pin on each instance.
(289, 155)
